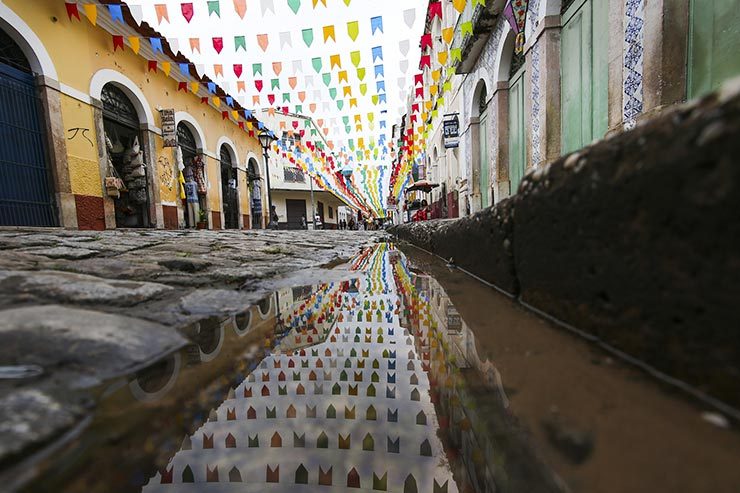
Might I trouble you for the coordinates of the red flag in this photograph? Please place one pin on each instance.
(218, 44)
(241, 125)
(72, 10)
(426, 61)
(420, 92)
(285, 110)
(435, 10)
(117, 42)
(419, 80)
(426, 40)
(204, 100)
(238, 70)
(271, 98)
(182, 86)
(187, 10)
(251, 133)
(258, 84)
(152, 65)
(224, 115)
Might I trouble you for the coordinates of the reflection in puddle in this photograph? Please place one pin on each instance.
(346, 399)
(348, 384)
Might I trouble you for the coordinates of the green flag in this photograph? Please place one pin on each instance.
(317, 64)
(361, 73)
(275, 83)
(308, 37)
(256, 68)
(340, 104)
(240, 42)
(214, 8)
(363, 89)
(286, 97)
(333, 92)
(294, 5)
(327, 78)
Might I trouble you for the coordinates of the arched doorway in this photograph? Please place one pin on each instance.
(126, 158)
(194, 175)
(26, 197)
(485, 173)
(255, 192)
(229, 188)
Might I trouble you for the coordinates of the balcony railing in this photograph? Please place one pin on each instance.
(294, 175)
(483, 19)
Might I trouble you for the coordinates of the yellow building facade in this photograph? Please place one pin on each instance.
(97, 106)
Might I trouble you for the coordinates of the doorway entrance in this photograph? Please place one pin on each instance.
(195, 184)
(296, 211)
(126, 156)
(26, 197)
(255, 192)
(229, 189)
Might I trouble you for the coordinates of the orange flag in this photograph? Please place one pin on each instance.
(161, 10)
(241, 7)
(263, 41)
(277, 67)
(195, 45)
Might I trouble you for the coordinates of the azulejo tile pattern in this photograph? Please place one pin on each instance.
(535, 137)
(634, 38)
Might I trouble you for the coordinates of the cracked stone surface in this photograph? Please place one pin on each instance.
(89, 306)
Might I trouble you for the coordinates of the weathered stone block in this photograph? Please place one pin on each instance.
(637, 240)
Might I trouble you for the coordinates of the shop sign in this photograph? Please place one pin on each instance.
(169, 128)
(451, 131)
(454, 321)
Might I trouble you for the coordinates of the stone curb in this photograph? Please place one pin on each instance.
(634, 240)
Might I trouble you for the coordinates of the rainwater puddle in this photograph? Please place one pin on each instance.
(378, 383)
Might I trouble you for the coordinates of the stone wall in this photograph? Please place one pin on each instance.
(635, 240)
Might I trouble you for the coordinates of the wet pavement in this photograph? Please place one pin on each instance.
(394, 373)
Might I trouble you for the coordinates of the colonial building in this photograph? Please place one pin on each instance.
(297, 196)
(82, 142)
(533, 80)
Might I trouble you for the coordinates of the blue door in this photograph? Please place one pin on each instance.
(26, 197)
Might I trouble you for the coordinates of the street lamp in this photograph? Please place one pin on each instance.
(266, 138)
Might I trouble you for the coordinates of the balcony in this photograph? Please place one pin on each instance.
(483, 18)
(293, 175)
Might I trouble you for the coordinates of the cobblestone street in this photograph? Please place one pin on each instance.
(89, 306)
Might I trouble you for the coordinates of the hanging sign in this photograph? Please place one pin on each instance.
(451, 131)
(454, 320)
(169, 128)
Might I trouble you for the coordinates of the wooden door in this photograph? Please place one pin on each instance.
(584, 73)
(517, 145)
(714, 44)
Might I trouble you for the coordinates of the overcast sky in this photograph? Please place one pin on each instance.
(296, 58)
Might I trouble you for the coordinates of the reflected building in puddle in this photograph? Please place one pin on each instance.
(344, 401)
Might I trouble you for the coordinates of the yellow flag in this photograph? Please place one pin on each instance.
(353, 29)
(194, 86)
(166, 67)
(217, 102)
(335, 61)
(447, 34)
(442, 57)
(435, 75)
(91, 11)
(135, 43)
(329, 33)
(343, 76)
(459, 5)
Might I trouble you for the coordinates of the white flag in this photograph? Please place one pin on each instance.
(285, 40)
(409, 16)
(267, 5)
(404, 47)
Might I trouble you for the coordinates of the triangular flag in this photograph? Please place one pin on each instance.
(294, 5)
(353, 29)
(187, 11)
(240, 6)
(447, 34)
(308, 37)
(409, 16)
(91, 11)
(161, 10)
(329, 33)
(214, 7)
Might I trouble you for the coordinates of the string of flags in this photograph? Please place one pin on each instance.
(345, 90)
